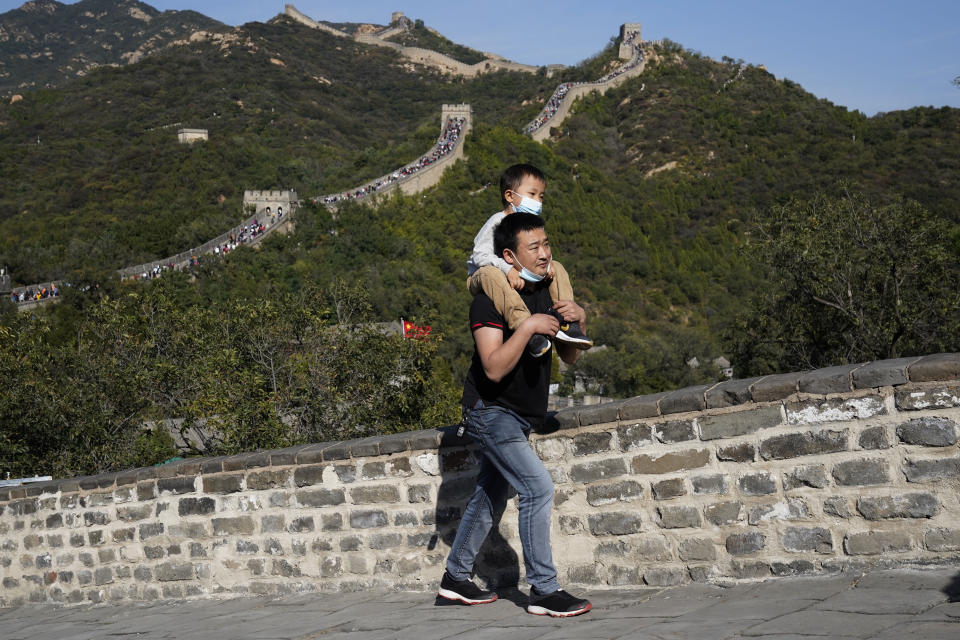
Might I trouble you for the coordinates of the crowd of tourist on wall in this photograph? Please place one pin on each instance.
(631, 38)
(449, 138)
(36, 292)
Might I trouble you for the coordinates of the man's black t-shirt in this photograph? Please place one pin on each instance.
(526, 387)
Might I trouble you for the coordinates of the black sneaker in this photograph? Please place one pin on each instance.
(570, 332)
(558, 604)
(539, 344)
(463, 591)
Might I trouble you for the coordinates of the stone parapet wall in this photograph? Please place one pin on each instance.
(816, 472)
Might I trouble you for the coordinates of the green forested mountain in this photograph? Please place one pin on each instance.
(660, 197)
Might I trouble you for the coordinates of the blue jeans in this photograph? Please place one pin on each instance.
(508, 460)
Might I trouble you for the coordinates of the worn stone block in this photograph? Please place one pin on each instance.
(650, 464)
(944, 396)
(320, 497)
(793, 509)
(730, 393)
(882, 373)
(775, 387)
(598, 470)
(806, 476)
(368, 519)
(928, 432)
(172, 571)
(151, 530)
(742, 452)
(625, 491)
(570, 525)
(418, 493)
(247, 547)
(123, 535)
(666, 489)
(551, 448)
(712, 484)
(405, 519)
(195, 506)
(331, 522)
(272, 523)
(618, 576)
(222, 484)
(861, 472)
(877, 542)
(936, 367)
(942, 539)
(697, 549)
(634, 436)
(268, 479)
(675, 431)
(346, 473)
(331, 567)
(679, 517)
(599, 413)
(730, 425)
(664, 577)
(614, 523)
(874, 438)
(683, 400)
(386, 541)
(837, 506)
(792, 568)
(176, 485)
(793, 445)
(584, 574)
(375, 494)
(741, 544)
(828, 380)
(95, 518)
(834, 410)
(241, 525)
(929, 470)
(585, 444)
(749, 570)
(723, 513)
(757, 484)
(908, 505)
(816, 539)
(393, 468)
(641, 407)
(146, 490)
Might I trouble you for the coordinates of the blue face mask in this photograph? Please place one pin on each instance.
(528, 205)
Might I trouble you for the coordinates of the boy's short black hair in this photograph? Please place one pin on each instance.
(505, 233)
(513, 176)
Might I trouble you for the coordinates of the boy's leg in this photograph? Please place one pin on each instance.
(508, 303)
(560, 288)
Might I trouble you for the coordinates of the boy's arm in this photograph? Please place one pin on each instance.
(483, 253)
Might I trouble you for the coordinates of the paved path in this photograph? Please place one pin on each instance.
(896, 605)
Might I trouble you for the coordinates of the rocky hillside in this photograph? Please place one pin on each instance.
(45, 43)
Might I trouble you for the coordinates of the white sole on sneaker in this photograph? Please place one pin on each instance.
(543, 611)
(453, 595)
(579, 342)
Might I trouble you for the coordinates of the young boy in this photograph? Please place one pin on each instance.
(522, 188)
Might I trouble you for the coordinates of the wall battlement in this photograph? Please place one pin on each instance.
(823, 471)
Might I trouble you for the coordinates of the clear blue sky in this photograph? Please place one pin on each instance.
(876, 55)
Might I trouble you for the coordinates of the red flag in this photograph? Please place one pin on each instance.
(415, 332)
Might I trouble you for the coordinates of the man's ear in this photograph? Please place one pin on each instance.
(508, 256)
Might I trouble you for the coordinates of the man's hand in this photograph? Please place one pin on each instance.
(571, 311)
(542, 323)
(513, 277)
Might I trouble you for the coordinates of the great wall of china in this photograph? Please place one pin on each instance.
(409, 179)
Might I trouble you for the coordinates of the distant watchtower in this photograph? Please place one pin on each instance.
(464, 111)
(396, 17)
(629, 36)
(5, 282)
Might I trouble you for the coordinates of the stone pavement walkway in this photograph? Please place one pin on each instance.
(892, 604)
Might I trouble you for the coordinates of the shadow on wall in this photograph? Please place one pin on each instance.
(953, 589)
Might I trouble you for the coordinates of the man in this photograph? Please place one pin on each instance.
(504, 395)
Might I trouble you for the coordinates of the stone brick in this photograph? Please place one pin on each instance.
(713, 484)
(222, 484)
(928, 470)
(585, 444)
(775, 387)
(242, 525)
(942, 539)
(641, 407)
(151, 530)
(792, 445)
(171, 571)
(284, 568)
(806, 476)
(675, 431)
(375, 494)
(102, 576)
(679, 517)
(106, 556)
(247, 547)
(723, 513)
(882, 373)
(331, 567)
(793, 509)
(670, 462)
(301, 525)
(368, 519)
(457, 459)
(95, 518)
(385, 541)
(134, 513)
(908, 505)
(618, 576)
(666, 489)
(331, 522)
(697, 549)
(877, 542)
(346, 473)
(816, 539)
(731, 393)
(936, 367)
(197, 550)
(176, 485)
(749, 570)
(634, 436)
(743, 452)
(196, 506)
(665, 577)
(828, 380)
(153, 552)
(861, 472)
(792, 568)
(571, 525)
(757, 484)
(741, 544)
(834, 410)
(308, 475)
(584, 574)
(683, 400)
(268, 479)
(418, 493)
(146, 490)
(837, 506)
(599, 413)
(614, 523)
(929, 432)
(272, 524)
(394, 468)
(598, 470)
(405, 519)
(730, 425)
(320, 497)
(874, 438)
(124, 535)
(625, 491)
(944, 396)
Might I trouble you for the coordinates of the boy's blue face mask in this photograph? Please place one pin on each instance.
(528, 205)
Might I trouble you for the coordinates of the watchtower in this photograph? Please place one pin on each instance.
(4, 281)
(396, 17)
(629, 36)
(464, 111)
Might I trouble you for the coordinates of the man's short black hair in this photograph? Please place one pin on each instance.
(505, 233)
(513, 176)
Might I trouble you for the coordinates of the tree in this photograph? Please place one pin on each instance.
(848, 281)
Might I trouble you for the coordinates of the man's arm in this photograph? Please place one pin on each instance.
(498, 357)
